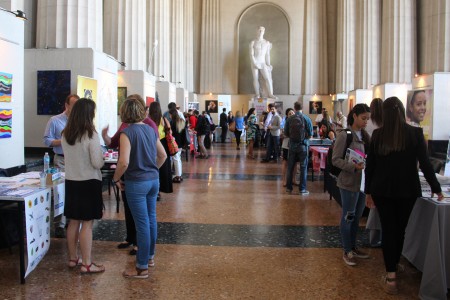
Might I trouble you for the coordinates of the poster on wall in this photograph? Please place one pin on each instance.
(419, 107)
(87, 87)
(212, 106)
(121, 96)
(279, 107)
(37, 212)
(260, 106)
(52, 89)
(5, 87)
(194, 106)
(5, 123)
(315, 107)
(149, 100)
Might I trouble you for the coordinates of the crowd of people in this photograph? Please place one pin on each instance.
(392, 151)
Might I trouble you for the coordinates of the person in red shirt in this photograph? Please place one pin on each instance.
(192, 133)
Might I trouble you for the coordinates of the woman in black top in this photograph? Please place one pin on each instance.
(392, 180)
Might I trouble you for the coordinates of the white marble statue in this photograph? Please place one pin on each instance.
(260, 63)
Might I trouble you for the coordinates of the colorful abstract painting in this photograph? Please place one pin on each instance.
(121, 96)
(149, 100)
(5, 87)
(52, 89)
(5, 123)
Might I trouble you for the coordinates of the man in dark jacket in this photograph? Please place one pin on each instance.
(223, 122)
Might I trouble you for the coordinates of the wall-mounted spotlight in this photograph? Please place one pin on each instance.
(18, 13)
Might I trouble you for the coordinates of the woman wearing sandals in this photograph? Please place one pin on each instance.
(392, 181)
(83, 203)
(252, 127)
(141, 155)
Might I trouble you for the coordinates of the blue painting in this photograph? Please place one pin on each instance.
(53, 88)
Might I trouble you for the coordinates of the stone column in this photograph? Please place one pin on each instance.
(315, 72)
(158, 18)
(434, 42)
(188, 81)
(210, 53)
(346, 50)
(125, 32)
(368, 43)
(177, 43)
(70, 24)
(398, 55)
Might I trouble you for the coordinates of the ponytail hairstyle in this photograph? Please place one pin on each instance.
(358, 109)
(392, 136)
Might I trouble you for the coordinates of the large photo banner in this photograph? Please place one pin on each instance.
(37, 221)
(419, 110)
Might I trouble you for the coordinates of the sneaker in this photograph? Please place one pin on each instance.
(359, 254)
(288, 191)
(304, 192)
(349, 258)
(389, 285)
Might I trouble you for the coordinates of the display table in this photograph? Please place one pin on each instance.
(34, 218)
(427, 246)
(33, 209)
(319, 159)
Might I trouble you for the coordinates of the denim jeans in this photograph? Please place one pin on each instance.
(353, 204)
(273, 146)
(301, 155)
(141, 196)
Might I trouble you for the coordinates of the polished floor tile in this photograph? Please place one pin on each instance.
(229, 231)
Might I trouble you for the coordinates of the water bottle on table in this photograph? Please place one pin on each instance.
(46, 162)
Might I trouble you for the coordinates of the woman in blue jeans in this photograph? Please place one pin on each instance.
(349, 180)
(141, 155)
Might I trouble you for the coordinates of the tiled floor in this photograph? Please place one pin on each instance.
(229, 231)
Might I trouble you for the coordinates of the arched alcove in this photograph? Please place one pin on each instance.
(274, 20)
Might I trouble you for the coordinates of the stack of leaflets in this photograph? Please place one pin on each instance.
(355, 156)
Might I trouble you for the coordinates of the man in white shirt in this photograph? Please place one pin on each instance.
(341, 122)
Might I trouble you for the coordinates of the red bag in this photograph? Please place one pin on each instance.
(172, 144)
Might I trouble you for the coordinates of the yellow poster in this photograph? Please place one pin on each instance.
(87, 88)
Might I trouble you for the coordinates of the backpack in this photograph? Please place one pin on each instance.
(297, 129)
(333, 170)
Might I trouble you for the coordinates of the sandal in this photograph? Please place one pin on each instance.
(151, 262)
(74, 262)
(92, 271)
(176, 179)
(390, 289)
(139, 274)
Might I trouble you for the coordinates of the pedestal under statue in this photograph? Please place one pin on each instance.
(260, 64)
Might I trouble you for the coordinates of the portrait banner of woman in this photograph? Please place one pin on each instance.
(419, 110)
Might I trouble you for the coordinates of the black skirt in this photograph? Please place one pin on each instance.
(83, 200)
(165, 172)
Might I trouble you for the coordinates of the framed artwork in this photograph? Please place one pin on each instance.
(5, 123)
(315, 107)
(194, 105)
(419, 110)
(52, 89)
(212, 106)
(279, 107)
(149, 100)
(87, 88)
(5, 87)
(121, 96)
